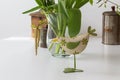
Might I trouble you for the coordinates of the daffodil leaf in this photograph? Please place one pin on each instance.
(91, 2)
(74, 22)
(31, 10)
(80, 3)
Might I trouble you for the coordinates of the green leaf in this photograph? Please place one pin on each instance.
(44, 2)
(62, 18)
(39, 2)
(50, 2)
(54, 6)
(51, 9)
(62, 8)
(80, 3)
(63, 25)
(51, 45)
(105, 5)
(99, 1)
(72, 45)
(118, 12)
(31, 10)
(101, 5)
(57, 49)
(74, 22)
(52, 20)
(91, 2)
(69, 3)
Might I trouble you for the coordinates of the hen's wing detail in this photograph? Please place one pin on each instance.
(75, 45)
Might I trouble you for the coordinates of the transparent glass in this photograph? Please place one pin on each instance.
(54, 46)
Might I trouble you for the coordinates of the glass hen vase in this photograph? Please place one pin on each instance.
(54, 45)
(52, 41)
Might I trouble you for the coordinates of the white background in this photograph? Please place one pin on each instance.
(13, 23)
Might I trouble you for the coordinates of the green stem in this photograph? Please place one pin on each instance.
(74, 62)
(112, 3)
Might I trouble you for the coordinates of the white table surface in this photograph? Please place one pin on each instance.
(18, 62)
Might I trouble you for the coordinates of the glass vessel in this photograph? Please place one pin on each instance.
(53, 44)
